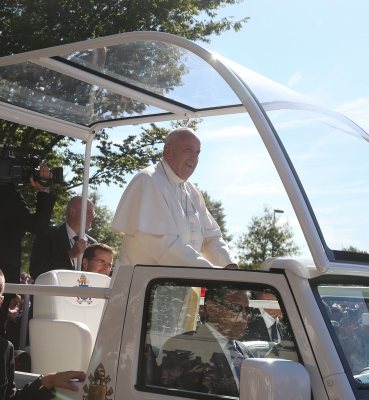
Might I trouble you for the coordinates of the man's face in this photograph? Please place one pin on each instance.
(90, 214)
(183, 154)
(226, 317)
(273, 312)
(101, 263)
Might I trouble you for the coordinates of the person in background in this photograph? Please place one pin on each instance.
(267, 323)
(98, 258)
(61, 246)
(15, 220)
(26, 278)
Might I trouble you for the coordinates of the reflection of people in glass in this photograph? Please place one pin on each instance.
(353, 337)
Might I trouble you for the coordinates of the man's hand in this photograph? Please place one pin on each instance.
(78, 248)
(62, 379)
(44, 173)
(232, 266)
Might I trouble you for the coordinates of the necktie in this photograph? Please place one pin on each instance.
(89, 242)
(236, 357)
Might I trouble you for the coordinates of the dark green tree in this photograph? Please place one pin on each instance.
(100, 228)
(265, 238)
(30, 25)
(354, 249)
(217, 204)
(33, 24)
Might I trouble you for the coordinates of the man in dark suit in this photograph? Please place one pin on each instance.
(61, 246)
(40, 389)
(266, 323)
(16, 219)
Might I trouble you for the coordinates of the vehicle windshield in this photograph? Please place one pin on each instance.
(346, 311)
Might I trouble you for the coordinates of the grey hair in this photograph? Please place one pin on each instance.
(175, 133)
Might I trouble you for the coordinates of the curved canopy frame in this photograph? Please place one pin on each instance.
(72, 90)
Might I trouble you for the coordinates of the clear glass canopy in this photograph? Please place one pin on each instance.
(151, 78)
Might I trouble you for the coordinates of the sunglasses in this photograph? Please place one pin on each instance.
(235, 307)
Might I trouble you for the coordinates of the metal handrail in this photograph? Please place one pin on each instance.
(52, 290)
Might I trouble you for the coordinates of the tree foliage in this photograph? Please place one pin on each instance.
(100, 228)
(30, 25)
(354, 249)
(265, 238)
(33, 24)
(210, 203)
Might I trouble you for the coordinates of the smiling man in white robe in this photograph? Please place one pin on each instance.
(163, 216)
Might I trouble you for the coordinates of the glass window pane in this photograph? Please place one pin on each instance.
(197, 344)
(347, 308)
(331, 160)
(40, 89)
(162, 68)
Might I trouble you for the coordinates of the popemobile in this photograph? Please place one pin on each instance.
(132, 334)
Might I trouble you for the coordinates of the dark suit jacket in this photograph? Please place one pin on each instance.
(15, 220)
(205, 347)
(50, 251)
(257, 330)
(33, 390)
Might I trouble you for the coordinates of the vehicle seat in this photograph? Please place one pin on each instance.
(63, 329)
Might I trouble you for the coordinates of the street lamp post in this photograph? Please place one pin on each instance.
(214, 213)
(276, 211)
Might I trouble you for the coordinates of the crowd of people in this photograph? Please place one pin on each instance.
(352, 332)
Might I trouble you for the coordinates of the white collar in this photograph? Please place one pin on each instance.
(70, 232)
(268, 319)
(172, 176)
(222, 340)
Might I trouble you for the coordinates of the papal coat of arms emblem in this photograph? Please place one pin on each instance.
(83, 282)
(98, 389)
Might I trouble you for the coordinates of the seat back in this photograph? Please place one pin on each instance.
(64, 329)
(81, 309)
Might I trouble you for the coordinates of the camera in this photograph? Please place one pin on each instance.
(18, 163)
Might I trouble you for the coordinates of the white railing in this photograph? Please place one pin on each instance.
(52, 290)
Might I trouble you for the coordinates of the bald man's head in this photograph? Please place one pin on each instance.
(74, 213)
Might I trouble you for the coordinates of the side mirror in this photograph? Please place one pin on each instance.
(274, 379)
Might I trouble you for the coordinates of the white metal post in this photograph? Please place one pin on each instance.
(86, 177)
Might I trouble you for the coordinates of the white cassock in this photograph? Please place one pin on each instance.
(165, 222)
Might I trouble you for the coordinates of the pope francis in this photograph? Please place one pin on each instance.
(163, 216)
